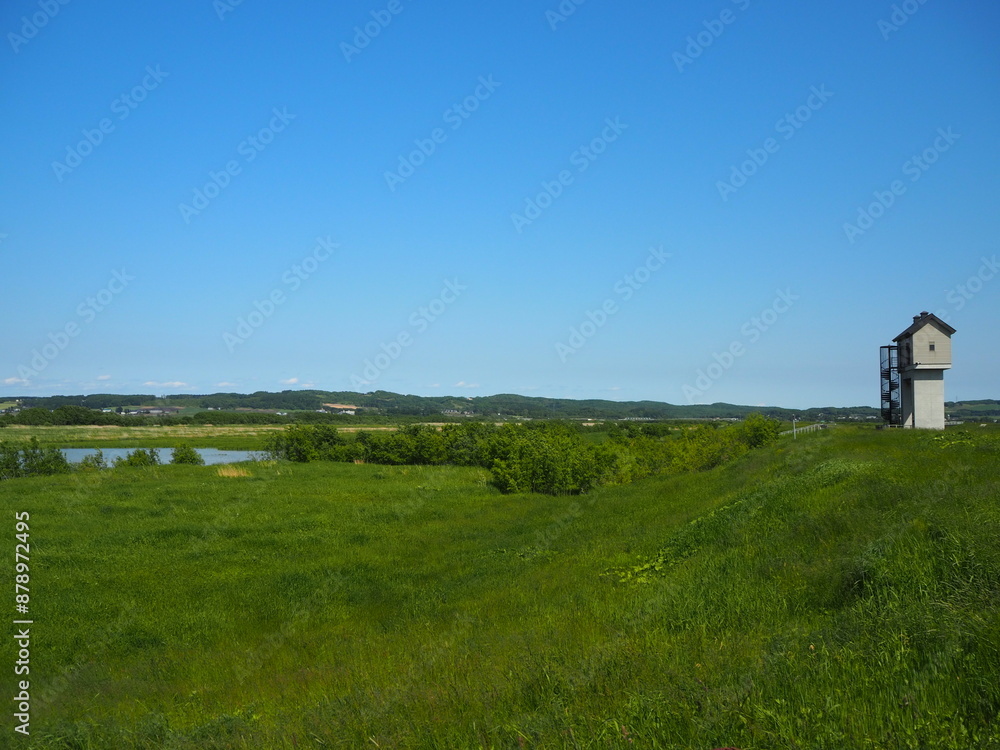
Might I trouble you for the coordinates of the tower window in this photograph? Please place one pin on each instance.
(932, 346)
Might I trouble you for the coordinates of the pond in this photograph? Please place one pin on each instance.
(211, 455)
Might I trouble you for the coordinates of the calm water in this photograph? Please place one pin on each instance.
(211, 455)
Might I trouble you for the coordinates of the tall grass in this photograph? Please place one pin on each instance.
(838, 591)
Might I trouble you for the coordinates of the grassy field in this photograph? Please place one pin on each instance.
(839, 591)
(222, 437)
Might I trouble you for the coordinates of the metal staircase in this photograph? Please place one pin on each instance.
(892, 414)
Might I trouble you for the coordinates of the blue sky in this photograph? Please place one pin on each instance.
(590, 200)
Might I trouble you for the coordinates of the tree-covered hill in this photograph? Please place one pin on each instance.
(502, 405)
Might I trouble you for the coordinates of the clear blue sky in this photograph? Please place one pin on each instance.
(442, 250)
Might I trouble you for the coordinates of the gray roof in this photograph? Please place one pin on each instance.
(925, 318)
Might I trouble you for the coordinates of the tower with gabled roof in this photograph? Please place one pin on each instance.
(913, 374)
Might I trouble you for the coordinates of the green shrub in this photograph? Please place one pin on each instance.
(553, 458)
(94, 461)
(139, 457)
(185, 454)
(304, 443)
(29, 459)
(756, 431)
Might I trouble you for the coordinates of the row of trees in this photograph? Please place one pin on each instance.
(79, 415)
(143, 457)
(546, 457)
(29, 459)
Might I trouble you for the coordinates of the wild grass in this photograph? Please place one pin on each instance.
(222, 437)
(837, 591)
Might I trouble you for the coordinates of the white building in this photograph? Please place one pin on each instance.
(924, 351)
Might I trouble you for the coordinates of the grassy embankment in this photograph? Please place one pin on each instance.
(837, 591)
(222, 437)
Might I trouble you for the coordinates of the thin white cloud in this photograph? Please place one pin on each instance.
(168, 384)
(463, 384)
(15, 381)
(104, 377)
(224, 384)
(290, 381)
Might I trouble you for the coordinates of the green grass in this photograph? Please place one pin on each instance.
(222, 437)
(837, 591)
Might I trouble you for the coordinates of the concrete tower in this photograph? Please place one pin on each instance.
(924, 353)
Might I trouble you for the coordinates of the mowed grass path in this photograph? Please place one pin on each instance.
(838, 591)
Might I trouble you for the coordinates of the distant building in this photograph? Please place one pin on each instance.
(913, 374)
(340, 408)
(155, 411)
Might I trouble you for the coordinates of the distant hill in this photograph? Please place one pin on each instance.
(504, 405)
(983, 409)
